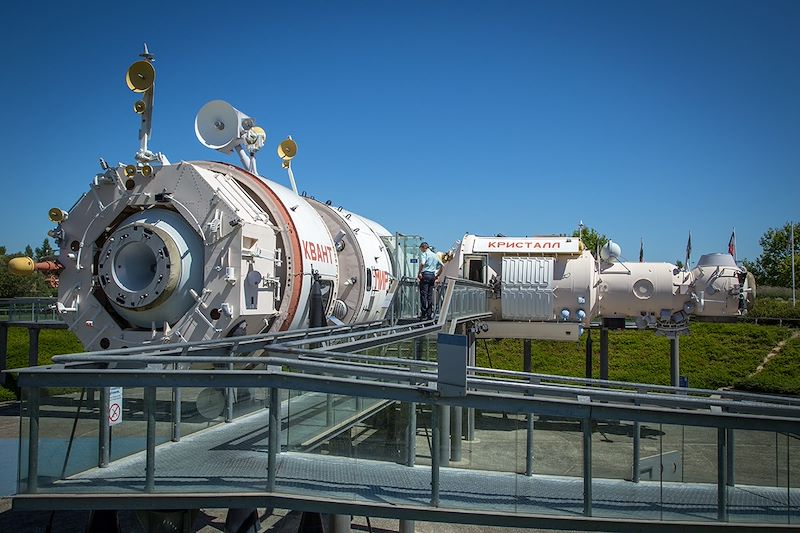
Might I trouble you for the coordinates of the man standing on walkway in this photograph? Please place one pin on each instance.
(429, 270)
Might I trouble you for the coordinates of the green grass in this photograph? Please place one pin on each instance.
(51, 342)
(781, 375)
(714, 355)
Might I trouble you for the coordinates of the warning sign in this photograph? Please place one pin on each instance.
(115, 406)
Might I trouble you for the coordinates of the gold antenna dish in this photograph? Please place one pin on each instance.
(287, 149)
(140, 77)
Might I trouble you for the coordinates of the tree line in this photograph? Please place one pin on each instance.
(12, 286)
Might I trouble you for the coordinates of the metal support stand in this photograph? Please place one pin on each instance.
(722, 474)
(456, 429)
(3, 352)
(436, 437)
(273, 437)
(589, 348)
(411, 435)
(603, 353)
(587, 467)
(526, 355)
(150, 459)
(637, 450)
(444, 435)
(104, 442)
(471, 357)
(674, 361)
(176, 414)
(33, 346)
(731, 459)
(33, 440)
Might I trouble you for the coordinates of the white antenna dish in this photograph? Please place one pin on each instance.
(220, 126)
(610, 252)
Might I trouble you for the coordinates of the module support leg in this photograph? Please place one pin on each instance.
(3, 351)
(436, 437)
(456, 428)
(587, 467)
(589, 347)
(637, 441)
(176, 414)
(529, 441)
(33, 346)
(674, 361)
(526, 355)
(444, 432)
(604, 353)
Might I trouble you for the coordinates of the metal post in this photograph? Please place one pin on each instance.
(731, 481)
(150, 466)
(456, 429)
(329, 410)
(176, 413)
(105, 428)
(471, 358)
(435, 456)
(229, 400)
(33, 346)
(674, 361)
(587, 466)
(3, 351)
(406, 526)
(589, 355)
(722, 474)
(794, 292)
(637, 450)
(338, 523)
(603, 352)
(33, 439)
(411, 435)
(529, 441)
(526, 355)
(273, 437)
(444, 432)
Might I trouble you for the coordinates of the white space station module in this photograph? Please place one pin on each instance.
(157, 252)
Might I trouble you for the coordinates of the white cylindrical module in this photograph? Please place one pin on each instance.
(202, 250)
(637, 289)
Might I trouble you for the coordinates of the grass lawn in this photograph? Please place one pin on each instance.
(51, 342)
(712, 356)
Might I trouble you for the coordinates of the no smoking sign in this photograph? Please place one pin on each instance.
(115, 406)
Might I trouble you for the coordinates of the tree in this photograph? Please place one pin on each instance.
(45, 251)
(12, 286)
(591, 239)
(774, 266)
(679, 263)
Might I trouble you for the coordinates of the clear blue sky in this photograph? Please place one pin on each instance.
(643, 119)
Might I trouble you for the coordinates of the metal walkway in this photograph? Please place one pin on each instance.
(385, 433)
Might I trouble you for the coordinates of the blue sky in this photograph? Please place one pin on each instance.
(643, 119)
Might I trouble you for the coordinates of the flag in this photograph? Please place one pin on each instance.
(688, 251)
(732, 244)
(641, 250)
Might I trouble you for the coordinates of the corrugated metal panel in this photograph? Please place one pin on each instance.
(527, 288)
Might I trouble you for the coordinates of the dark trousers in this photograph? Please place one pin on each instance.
(426, 295)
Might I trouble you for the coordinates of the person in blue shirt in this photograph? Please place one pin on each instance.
(430, 268)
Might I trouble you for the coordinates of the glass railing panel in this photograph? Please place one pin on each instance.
(689, 472)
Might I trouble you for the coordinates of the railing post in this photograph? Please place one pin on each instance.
(150, 465)
(731, 459)
(435, 456)
(105, 428)
(33, 439)
(456, 429)
(444, 435)
(229, 400)
(273, 436)
(529, 447)
(587, 466)
(722, 474)
(471, 356)
(637, 450)
(411, 434)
